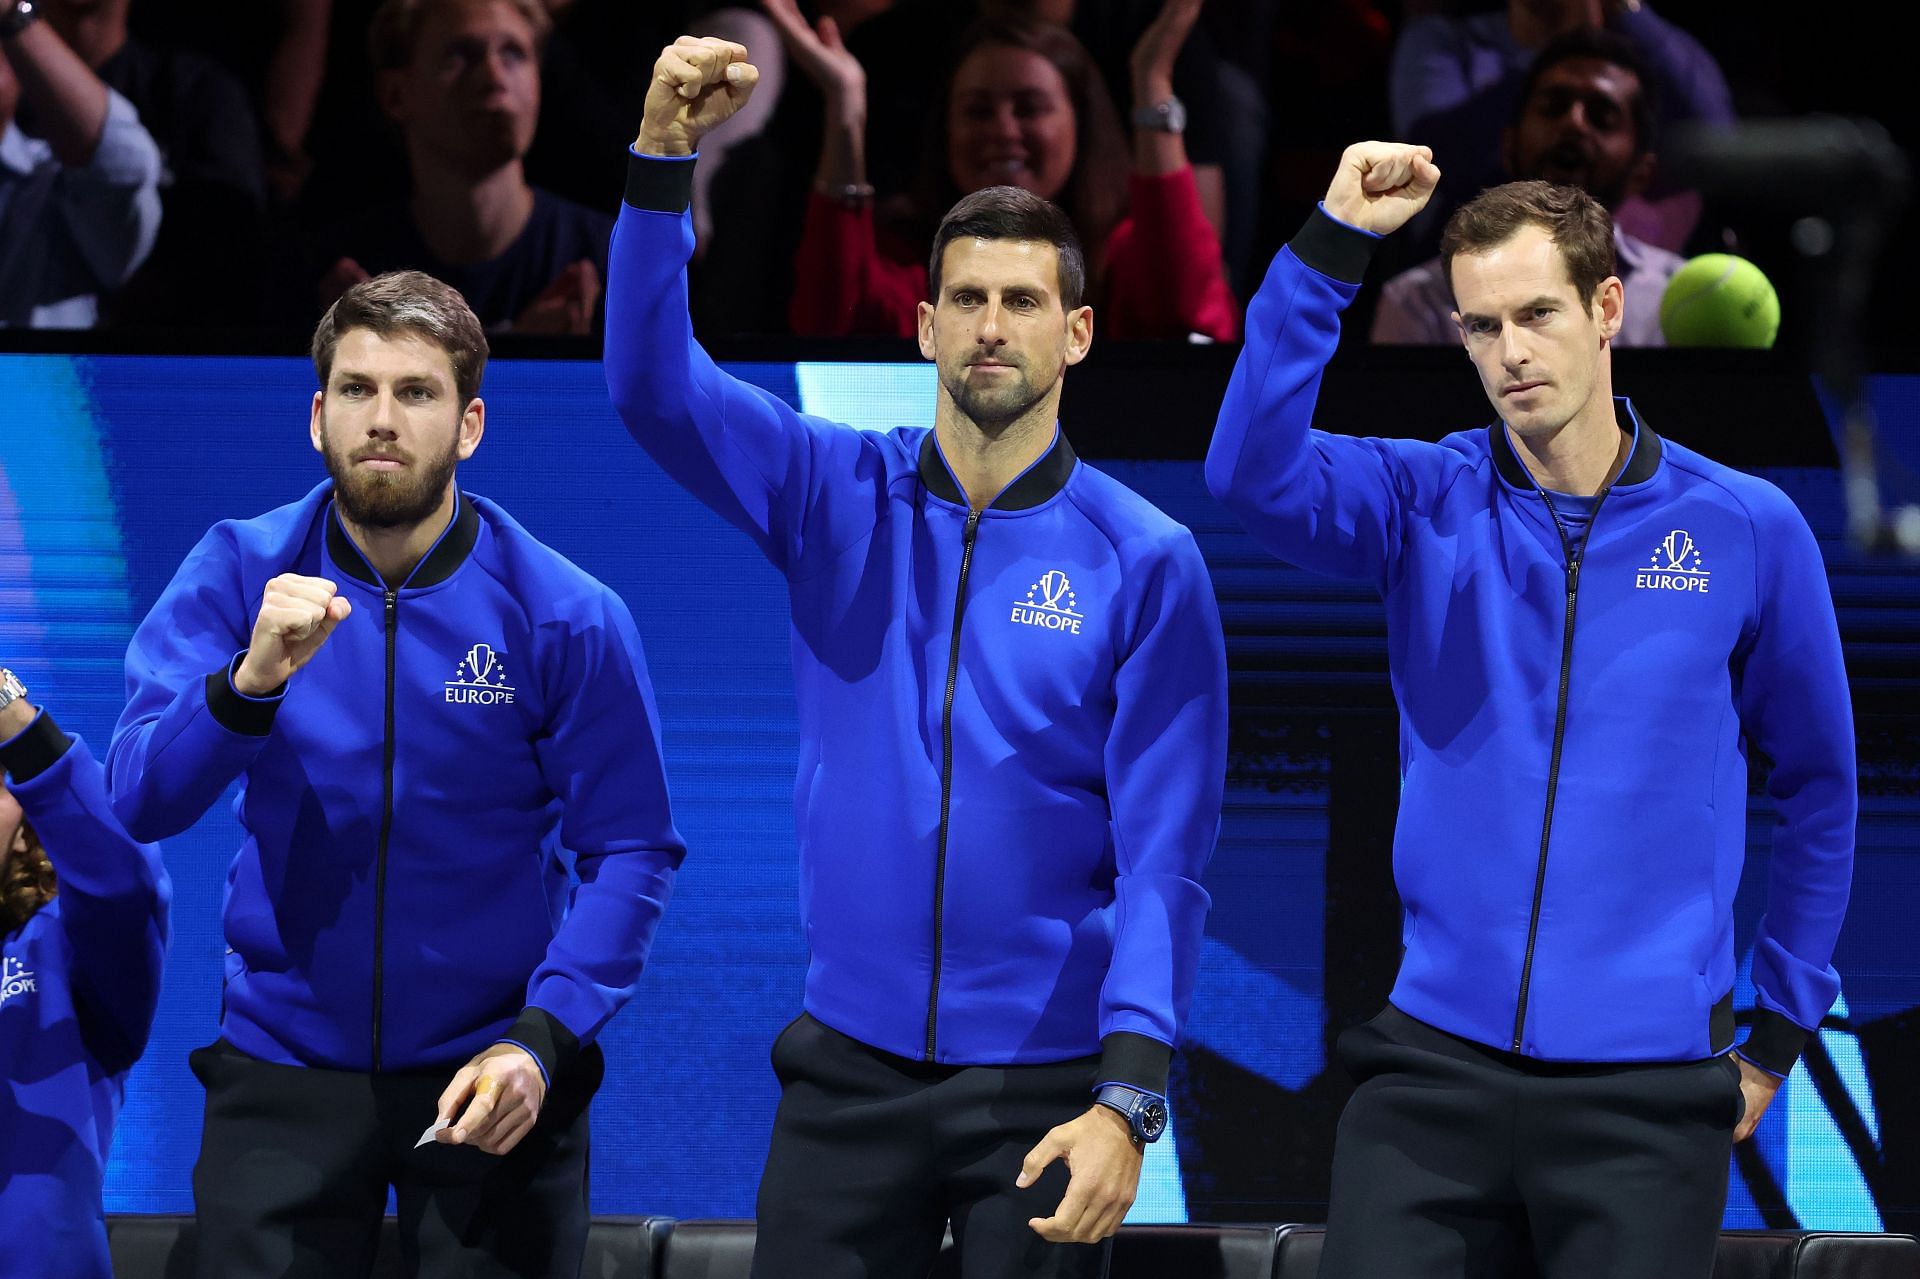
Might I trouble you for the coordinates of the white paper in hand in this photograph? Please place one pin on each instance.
(432, 1129)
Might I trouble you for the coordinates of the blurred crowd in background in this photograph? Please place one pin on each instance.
(233, 165)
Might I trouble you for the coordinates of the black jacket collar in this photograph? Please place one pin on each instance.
(1642, 461)
(1032, 487)
(446, 555)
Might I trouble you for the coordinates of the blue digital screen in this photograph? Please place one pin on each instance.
(111, 467)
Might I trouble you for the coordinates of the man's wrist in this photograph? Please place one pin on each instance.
(1114, 1117)
(249, 684)
(15, 716)
(673, 145)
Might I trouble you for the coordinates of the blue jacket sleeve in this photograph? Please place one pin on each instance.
(600, 754)
(115, 896)
(742, 451)
(1795, 707)
(1329, 503)
(1166, 764)
(186, 732)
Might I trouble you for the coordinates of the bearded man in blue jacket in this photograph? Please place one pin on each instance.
(1012, 704)
(83, 932)
(431, 714)
(1589, 629)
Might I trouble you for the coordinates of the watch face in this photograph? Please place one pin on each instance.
(1152, 1118)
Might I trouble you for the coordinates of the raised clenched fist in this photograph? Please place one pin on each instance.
(698, 81)
(1381, 185)
(296, 616)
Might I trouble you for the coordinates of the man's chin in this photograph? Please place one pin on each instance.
(379, 502)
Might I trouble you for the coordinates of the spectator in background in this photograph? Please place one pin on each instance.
(1457, 79)
(461, 81)
(1586, 119)
(79, 185)
(212, 184)
(1025, 107)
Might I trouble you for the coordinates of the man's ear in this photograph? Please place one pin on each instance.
(1079, 333)
(314, 431)
(1610, 307)
(924, 313)
(473, 425)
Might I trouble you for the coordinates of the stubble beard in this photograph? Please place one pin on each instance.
(994, 408)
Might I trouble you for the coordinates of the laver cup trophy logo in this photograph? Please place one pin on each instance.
(481, 679)
(1050, 604)
(1674, 566)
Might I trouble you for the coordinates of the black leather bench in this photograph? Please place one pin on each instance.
(161, 1247)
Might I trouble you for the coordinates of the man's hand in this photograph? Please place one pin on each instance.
(493, 1100)
(1104, 1164)
(698, 81)
(1381, 185)
(566, 305)
(1758, 1087)
(296, 616)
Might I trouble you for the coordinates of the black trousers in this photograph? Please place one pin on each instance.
(1457, 1160)
(873, 1155)
(295, 1163)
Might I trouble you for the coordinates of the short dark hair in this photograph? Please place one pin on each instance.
(410, 302)
(1012, 213)
(1600, 45)
(1577, 223)
(395, 26)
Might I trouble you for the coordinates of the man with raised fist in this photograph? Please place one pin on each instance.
(425, 707)
(1589, 627)
(1012, 707)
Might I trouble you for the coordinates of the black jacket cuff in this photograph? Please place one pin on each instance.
(660, 184)
(1139, 1061)
(1333, 248)
(1774, 1043)
(236, 712)
(540, 1033)
(37, 748)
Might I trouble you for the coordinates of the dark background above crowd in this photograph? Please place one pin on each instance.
(269, 181)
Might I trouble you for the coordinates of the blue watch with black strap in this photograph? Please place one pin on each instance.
(1145, 1112)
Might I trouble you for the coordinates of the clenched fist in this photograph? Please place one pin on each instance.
(698, 81)
(296, 616)
(1380, 185)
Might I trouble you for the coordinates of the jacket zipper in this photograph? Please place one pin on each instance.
(946, 776)
(386, 830)
(1575, 556)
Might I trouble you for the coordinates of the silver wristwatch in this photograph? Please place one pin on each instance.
(1169, 116)
(22, 15)
(11, 689)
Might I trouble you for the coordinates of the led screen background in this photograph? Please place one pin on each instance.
(111, 467)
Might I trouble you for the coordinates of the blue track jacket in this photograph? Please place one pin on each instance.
(400, 900)
(1012, 724)
(1573, 741)
(78, 985)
